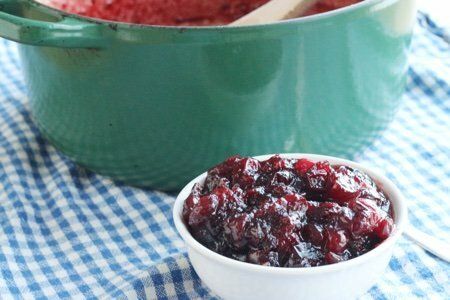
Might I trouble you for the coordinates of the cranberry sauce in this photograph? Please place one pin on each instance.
(176, 12)
(287, 212)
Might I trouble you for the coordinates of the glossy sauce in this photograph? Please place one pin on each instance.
(288, 212)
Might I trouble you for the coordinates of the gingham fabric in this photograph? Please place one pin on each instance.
(68, 233)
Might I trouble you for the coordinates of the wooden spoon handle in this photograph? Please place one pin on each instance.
(274, 10)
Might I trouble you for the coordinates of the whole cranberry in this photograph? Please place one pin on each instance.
(234, 230)
(245, 172)
(345, 187)
(336, 240)
(314, 233)
(384, 228)
(203, 209)
(191, 201)
(303, 165)
(276, 163)
(319, 177)
(366, 218)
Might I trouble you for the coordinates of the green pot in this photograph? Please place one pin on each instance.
(154, 106)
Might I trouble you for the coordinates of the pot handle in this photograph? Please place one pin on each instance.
(28, 22)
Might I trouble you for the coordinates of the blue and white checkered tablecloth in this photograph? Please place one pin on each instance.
(68, 233)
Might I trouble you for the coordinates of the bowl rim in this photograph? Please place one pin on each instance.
(363, 4)
(394, 194)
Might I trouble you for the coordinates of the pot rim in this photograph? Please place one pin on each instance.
(353, 9)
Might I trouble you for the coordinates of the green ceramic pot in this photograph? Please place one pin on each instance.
(154, 106)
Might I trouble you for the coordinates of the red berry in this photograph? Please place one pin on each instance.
(296, 202)
(203, 209)
(318, 177)
(234, 230)
(336, 240)
(384, 228)
(191, 201)
(314, 233)
(245, 172)
(303, 165)
(366, 218)
(275, 163)
(332, 258)
(345, 186)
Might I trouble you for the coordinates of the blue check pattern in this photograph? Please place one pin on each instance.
(68, 233)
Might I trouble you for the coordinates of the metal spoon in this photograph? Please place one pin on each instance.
(432, 244)
(274, 10)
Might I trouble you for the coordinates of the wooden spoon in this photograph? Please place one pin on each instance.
(274, 10)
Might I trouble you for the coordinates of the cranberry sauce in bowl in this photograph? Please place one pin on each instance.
(286, 212)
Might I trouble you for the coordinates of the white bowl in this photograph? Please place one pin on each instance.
(232, 279)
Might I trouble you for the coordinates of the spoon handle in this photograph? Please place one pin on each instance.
(274, 10)
(432, 244)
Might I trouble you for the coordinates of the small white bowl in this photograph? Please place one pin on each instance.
(232, 279)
